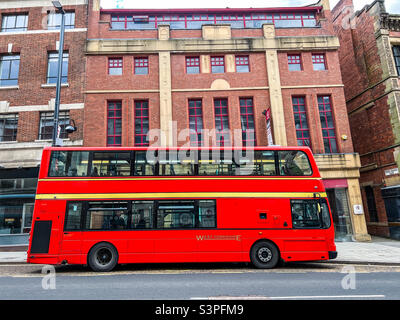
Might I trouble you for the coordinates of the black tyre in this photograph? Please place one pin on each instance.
(264, 255)
(103, 257)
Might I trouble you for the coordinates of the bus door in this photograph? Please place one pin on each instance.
(71, 237)
(310, 220)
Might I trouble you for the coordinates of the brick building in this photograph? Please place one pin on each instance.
(214, 69)
(370, 63)
(29, 38)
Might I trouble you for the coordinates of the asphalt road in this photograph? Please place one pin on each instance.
(201, 282)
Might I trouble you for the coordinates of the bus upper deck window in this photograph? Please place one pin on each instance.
(69, 164)
(294, 163)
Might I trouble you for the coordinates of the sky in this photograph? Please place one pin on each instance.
(392, 6)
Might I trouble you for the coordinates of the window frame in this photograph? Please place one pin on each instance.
(13, 117)
(294, 59)
(396, 57)
(195, 117)
(5, 18)
(301, 130)
(52, 56)
(143, 131)
(141, 63)
(325, 113)
(217, 62)
(192, 62)
(115, 117)
(9, 60)
(69, 22)
(317, 202)
(63, 121)
(242, 61)
(247, 115)
(115, 63)
(319, 59)
(223, 114)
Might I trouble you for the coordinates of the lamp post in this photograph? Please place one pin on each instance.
(59, 9)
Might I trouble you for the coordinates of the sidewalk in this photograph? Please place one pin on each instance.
(378, 251)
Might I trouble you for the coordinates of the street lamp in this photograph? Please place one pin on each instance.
(59, 9)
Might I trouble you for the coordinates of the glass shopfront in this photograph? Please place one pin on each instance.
(17, 197)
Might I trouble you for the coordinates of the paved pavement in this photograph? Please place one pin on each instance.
(377, 251)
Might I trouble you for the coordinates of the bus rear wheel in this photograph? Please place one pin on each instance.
(103, 257)
(264, 255)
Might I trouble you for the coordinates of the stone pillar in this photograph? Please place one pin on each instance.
(274, 83)
(165, 99)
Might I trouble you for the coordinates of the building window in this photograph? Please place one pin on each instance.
(396, 55)
(319, 61)
(192, 65)
(8, 127)
(196, 122)
(115, 66)
(141, 123)
(294, 62)
(9, 69)
(52, 68)
(114, 123)
(300, 121)
(247, 121)
(47, 122)
(13, 23)
(221, 122)
(141, 65)
(373, 213)
(242, 64)
(217, 64)
(327, 125)
(54, 20)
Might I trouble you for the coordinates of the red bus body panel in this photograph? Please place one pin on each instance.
(238, 217)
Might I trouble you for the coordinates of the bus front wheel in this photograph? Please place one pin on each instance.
(103, 257)
(264, 255)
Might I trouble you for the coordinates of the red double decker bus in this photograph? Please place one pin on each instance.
(109, 206)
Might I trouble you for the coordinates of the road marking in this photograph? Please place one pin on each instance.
(368, 296)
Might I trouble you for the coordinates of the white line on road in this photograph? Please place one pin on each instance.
(370, 296)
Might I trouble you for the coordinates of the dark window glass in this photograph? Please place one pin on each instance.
(294, 163)
(327, 125)
(47, 122)
(141, 123)
(300, 121)
(145, 165)
(173, 163)
(69, 163)
(9, 70)
(142, 214)
(310, 214)
(111, 164)
(8, 127)
(396, 55)
(73, 217)
(114, 123)
(107, 215)
(373, 213)
(196, 122)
